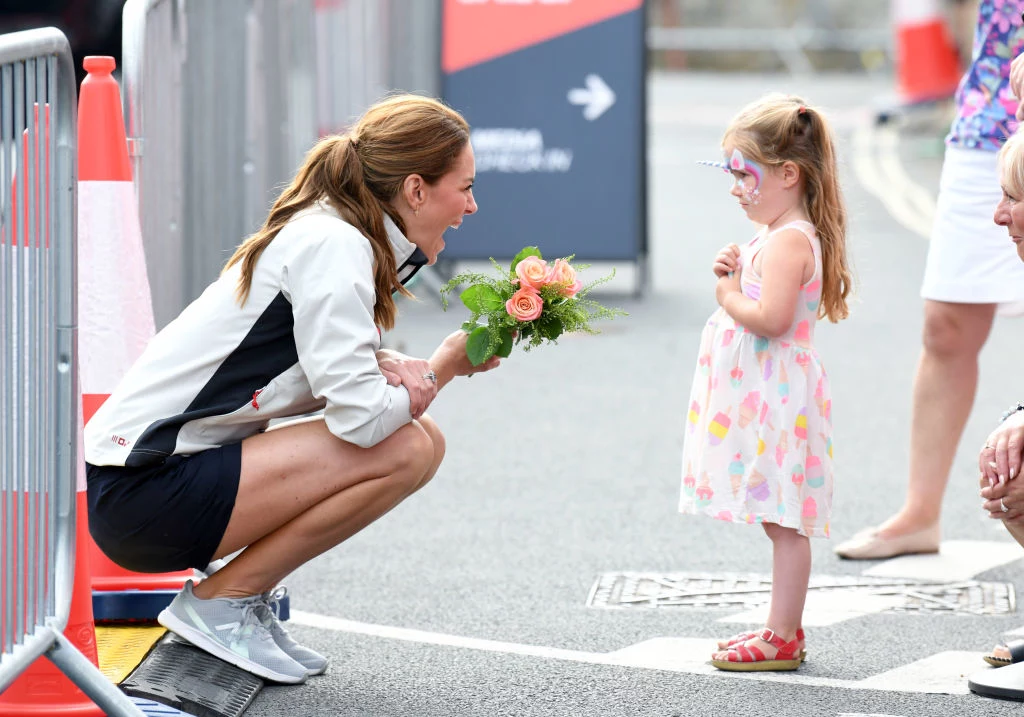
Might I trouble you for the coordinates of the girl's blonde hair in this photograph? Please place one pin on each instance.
(1011, 165)
(359, 173)
(781, 128)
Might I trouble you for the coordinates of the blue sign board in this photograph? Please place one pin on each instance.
(554, 93)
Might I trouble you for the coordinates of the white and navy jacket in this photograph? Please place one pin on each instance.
(304, 340)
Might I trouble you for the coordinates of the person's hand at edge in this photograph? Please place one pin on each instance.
(1009, 494)
(1000, 457)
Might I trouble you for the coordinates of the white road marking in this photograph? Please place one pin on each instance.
(943, 672)
(939, 674)
(881, 175)
(919, 199)
(956, 560)
(826, 608)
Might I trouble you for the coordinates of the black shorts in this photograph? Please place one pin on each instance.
(166, 517)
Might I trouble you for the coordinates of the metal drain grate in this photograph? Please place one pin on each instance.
(723, 591)
(186, 678)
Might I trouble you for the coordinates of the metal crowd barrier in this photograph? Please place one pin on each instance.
(38, 362)
(223, 99)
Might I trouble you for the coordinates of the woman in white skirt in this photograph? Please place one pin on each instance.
(971, 270)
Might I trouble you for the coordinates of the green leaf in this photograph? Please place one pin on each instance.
(528, 251)
(550, 327)
(505, 347)
(481, 298)
(478, 346)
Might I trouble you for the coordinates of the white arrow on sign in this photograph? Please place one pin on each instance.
(596, 97)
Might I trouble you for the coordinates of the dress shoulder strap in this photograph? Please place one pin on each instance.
(801, 225)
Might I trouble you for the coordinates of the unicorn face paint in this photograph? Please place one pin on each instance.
(747, 173)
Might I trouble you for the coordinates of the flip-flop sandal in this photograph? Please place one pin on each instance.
(751, 659)
(1016, 649)
(740, 638)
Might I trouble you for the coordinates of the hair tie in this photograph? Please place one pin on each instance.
(354, 142)
(801, 110)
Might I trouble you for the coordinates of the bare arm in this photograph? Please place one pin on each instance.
(449, 359)
(786, 261)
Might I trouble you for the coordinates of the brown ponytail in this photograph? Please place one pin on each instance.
(359, 174)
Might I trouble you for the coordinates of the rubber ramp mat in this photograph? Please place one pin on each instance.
(122, 648)
(186, 678)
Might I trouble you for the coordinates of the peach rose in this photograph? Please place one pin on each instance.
(571, 291)
(533, 272)
(564, 275)
(525, 304)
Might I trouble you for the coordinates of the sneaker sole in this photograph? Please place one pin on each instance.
(313, 673)
(203, 642)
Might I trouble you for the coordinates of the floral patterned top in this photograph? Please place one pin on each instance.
(985, 105)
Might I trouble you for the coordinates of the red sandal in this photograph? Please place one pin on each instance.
(743, 658)
(740, 638)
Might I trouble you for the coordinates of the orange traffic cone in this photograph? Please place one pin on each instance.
(115, 312)
(927, 63)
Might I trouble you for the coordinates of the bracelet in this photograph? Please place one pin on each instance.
(1012, 410)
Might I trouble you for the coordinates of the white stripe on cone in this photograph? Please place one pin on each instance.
(915, 12)
(115, 312)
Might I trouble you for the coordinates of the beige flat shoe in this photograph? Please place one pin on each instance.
(1014, 651)
(869, 545)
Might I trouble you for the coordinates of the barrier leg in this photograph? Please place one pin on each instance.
(90, 680)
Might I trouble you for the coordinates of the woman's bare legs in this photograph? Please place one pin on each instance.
(791, 572)
(302, 491)
(944, 387)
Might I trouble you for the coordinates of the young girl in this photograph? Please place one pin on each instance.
(758, 438)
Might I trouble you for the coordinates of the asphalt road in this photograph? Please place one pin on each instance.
(472, 597)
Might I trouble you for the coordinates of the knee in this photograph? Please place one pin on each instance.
(952, 330)
(413, 453)
(436, 437)
(437, 442)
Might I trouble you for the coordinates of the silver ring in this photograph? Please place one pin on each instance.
(1002, 506)
(430, 376)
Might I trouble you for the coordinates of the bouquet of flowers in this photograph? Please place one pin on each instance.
(530, 302)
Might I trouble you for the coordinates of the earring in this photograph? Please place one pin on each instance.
(416, 212)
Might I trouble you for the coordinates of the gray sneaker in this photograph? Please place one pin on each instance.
(313, 661)
(231, 629)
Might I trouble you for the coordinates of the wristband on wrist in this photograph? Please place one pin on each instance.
(1012, 410)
